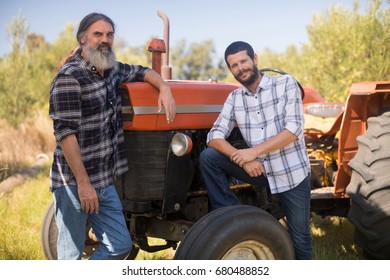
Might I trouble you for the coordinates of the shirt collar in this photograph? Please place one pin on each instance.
(84, 62)
(262, 85)
(264, 81)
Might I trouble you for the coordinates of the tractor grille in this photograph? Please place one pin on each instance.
(147, 158)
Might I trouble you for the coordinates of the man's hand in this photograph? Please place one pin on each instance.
(254, 168)
(87, 194)
(240, 157)
(165, 99)
(88, 199)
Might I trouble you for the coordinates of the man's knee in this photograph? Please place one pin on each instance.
(122, 251)
(207, 155)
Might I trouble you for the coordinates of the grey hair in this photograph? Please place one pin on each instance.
(88, 20)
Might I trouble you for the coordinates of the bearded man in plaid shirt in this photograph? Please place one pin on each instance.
(85, 107)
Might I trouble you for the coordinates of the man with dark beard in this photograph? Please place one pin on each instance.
(269, 113)
(85, 107)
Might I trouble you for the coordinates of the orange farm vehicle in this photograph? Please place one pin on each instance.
(164, 196)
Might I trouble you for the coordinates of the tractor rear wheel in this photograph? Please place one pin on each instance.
(369, 189)
(49, 234)
(236, 232)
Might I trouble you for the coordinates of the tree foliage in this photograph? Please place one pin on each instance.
(344, 46)
(133, 55)
(26, 72)
(15, 97)
(197, 62)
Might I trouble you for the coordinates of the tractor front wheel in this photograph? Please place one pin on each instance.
(236, 232)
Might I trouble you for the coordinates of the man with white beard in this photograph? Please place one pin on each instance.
(85, 107)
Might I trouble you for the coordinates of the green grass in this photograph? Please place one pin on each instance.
(333, 239)
(21, 214)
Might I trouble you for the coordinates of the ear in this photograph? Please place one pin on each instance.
(83, 38)
(255, 60)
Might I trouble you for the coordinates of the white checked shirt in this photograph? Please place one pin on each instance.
(277, 105)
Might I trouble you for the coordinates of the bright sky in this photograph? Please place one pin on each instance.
(262, 23)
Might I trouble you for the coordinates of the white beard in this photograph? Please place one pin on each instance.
(101, 59)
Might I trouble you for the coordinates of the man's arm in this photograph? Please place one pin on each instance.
(165, 97)
(222, 146)
(87, 194)
(280, 140)
(254, 167)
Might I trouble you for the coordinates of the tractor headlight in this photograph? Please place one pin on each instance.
(181, 144)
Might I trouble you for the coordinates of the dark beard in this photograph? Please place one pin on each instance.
(252, 78)
(101, 58)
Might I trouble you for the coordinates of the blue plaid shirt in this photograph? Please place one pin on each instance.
(277, 105)
(84, 103)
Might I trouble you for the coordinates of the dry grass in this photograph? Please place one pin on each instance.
(20, 146)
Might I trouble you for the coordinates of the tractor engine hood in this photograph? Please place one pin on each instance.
(198, 105)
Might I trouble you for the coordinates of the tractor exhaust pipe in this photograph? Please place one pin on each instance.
(160, 51)
(166, 70)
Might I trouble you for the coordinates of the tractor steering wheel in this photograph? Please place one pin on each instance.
(283, 73)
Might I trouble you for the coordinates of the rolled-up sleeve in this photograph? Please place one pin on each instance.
(225, 122)
(132, 73)
(65, 106)
(294, 120)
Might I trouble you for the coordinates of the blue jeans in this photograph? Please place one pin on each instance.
(216, 168)
(109, 225)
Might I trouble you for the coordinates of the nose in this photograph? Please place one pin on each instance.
(240, 67)
(105, 38)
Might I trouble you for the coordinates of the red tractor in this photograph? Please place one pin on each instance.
(164, 196)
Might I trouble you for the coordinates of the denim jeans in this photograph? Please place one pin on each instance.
(216, 168)
(109, 225)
